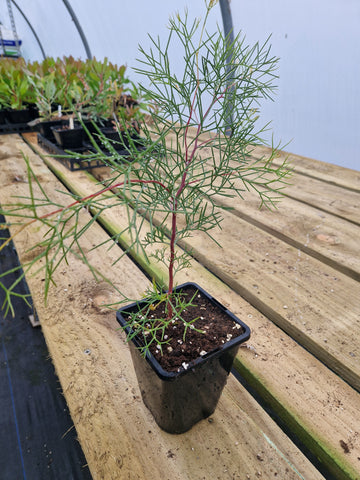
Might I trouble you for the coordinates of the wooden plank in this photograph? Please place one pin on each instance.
(331, 188)
(345, 178)
(118, 435)
(324, 236)
(327, 172)
(286, 389)
(329, 198)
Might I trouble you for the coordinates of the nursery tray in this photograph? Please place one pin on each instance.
(6, 128)
(76, 163)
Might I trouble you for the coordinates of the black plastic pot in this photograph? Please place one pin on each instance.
(68, 138)
(178, 400)
(95, 125)
(3, 116)
(44, 128)
(117, 139)
(33, 110)
(20, 116)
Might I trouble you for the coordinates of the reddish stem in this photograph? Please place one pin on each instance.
(96, 194)
(172, 251)
(183, 184)
(81, 200)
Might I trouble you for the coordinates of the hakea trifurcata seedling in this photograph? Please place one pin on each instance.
(187, 160)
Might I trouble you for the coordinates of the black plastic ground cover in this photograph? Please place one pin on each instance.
(37, 438)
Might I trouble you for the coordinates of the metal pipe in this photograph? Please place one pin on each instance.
(79, 29)
(229, 34)
(227, 19)
(13, 27)
(31, 27)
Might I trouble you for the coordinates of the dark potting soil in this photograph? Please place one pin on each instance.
(216, 326)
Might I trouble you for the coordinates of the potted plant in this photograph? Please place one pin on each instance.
(17, 94)
(48, 91)
(88, 96)
(102, 80)
(182, 340)
(111, 96)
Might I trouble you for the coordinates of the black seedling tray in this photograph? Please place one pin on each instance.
(75, 163)
(6, 128)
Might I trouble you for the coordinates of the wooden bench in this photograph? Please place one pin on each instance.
(291, 275)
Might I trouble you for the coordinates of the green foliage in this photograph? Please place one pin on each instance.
(94, 89)
(48, 92)
(15, 89)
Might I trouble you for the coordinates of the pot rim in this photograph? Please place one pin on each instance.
(165, 375)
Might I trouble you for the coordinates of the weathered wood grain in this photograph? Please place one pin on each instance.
(329, 198)
(326, 172)
(320, 234)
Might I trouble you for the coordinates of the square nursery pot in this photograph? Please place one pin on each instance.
(20, 116)
(118, 140)
(3, 116)
(178, 400)
(95, 125)
(33, 109)
(44, 128)
(68, 138)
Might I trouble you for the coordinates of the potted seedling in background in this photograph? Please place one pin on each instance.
(48, 92)
(16, 92)
(102, 80)
(88, 98)
(72, 99)
(182, 353)
(127, 117)
(70, 134)
(113, 97)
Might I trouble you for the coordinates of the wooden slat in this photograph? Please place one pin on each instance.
(329, 198)
(277, 378)
(328, 187)
(118, 435)
(326, 172)
(324, 236)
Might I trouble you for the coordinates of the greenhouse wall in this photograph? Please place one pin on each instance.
(317, 105)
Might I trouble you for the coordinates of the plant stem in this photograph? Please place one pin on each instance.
(172, 248)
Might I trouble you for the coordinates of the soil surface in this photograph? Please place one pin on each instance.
(182, 345)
